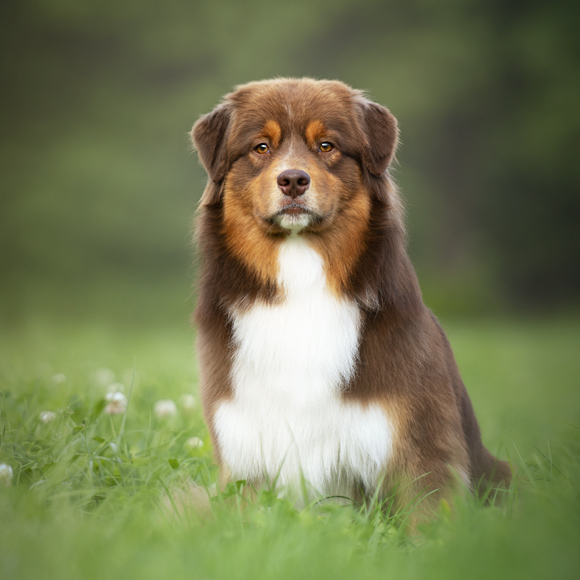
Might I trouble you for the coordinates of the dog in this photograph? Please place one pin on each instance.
(320, 365)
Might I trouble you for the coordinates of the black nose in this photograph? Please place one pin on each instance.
(293, 182)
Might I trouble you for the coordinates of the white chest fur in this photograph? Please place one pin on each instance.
(286, 420)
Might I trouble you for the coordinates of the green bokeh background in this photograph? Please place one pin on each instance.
(99, 183)
(99, 187)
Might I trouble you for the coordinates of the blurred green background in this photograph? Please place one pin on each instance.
(99, 189)
(99, 183)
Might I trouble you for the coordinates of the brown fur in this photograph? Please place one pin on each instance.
(405, 361)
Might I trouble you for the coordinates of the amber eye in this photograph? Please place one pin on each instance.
(325, 147)
(262, 148)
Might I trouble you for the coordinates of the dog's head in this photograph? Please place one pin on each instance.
(289, 154)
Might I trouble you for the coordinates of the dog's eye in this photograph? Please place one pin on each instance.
(262, 148)
(325, 147)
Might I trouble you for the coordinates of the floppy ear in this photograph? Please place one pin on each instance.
(209, 136)
(382, 137)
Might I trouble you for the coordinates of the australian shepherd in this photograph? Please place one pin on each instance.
(320, 364)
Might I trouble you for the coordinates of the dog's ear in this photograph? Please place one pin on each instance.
(382, 137)
(209, 136)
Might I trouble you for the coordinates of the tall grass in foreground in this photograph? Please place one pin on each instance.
(94, 493)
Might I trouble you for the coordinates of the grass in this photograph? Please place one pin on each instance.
(89, 494)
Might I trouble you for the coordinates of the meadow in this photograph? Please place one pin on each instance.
(92, 484)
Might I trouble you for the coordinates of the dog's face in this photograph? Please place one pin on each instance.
(288, 155)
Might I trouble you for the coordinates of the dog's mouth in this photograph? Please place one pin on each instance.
(293, 217)
(294, 209)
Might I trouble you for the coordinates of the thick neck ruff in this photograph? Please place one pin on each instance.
(292, 359)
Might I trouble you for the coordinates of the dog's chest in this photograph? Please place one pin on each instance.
(287, 419)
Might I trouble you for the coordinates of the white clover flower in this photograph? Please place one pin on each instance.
(165, 408)
(6, 474)
(104, 377)
(117, 403)
(194, 443)
(47, 416)
(59, 378)
(187, 403)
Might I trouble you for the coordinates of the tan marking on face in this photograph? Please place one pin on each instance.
(314, 132)
(342, 244)
(273, 133)
(245, 238)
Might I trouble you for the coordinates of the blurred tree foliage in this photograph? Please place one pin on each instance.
(99, 184)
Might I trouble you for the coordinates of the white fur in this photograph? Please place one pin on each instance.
(294, 223)
(287, 420)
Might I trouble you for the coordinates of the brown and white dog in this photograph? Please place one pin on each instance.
(319, 360)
